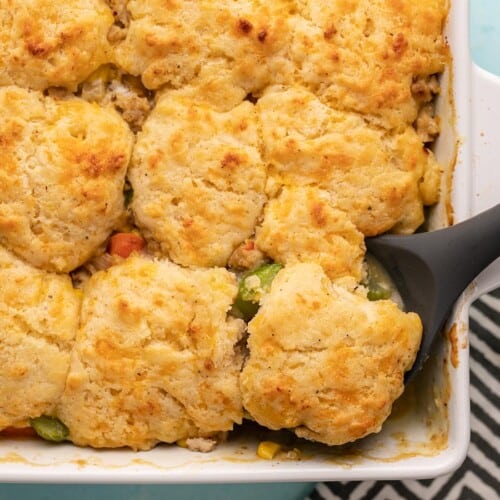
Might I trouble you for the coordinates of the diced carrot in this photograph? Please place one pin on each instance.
(249, 245)
(18, 432)
(123, 244)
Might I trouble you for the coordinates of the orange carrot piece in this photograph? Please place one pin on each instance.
(18, 432)
(123, 244)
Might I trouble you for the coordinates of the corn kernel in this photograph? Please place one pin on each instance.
(182, 443)
(268, 450)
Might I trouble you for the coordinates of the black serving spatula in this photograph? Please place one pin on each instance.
(431, 270)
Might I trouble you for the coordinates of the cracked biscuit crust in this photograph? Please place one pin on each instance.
(62, 176)
(52, 44)
(39, 315)
(155, 357)
(333, 377)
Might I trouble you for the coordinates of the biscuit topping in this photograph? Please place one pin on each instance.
(180, 167)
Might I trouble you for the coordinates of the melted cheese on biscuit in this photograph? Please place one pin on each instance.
(155, 357)
(52, 44)
(62, 177)
(39, 314)
(332, 376)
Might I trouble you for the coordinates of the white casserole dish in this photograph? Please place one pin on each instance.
(424, 437)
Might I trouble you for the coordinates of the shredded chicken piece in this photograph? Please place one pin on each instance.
(133, 107)
(427, 125)
(424, 89)
(99, 263)
(246, 256)
(118, 30)
(203, 445)
(109, 86)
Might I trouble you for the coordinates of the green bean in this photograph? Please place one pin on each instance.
(253, 285)
(50, 428)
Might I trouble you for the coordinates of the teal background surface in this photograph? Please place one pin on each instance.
(485, 45)
(485, 33)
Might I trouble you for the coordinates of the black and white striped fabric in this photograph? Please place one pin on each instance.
(478, 478)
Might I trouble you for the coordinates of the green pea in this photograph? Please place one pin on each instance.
(376, 292)
(377, 282)
(253, 285)
(50, 428)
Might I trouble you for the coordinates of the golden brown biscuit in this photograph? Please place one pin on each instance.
(253, 38)
(161, 43)
(358, 56)
(364, 55)
(62, 176)
(198, 179)
(334, 376)
(155, 357)
(44, 43)
(380, 179)
(302, 225)
(38, 320)
(279, 130)
(171, 44)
